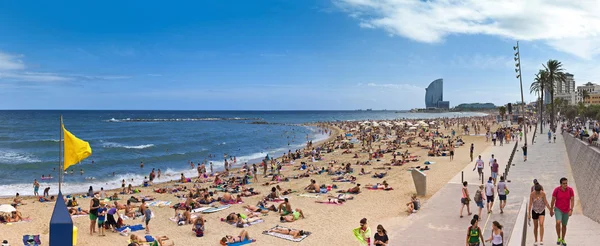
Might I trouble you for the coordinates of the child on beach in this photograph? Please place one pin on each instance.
(102, 217)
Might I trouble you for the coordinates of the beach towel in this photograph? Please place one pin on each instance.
(137, 227)
(309, 195)
(362, 237)
(245, 224)
(247, 241)
(174, 219)
(429, 162)
(231, 202)
(330, 203)
(286, 237)
(33, 240)
(371, 188)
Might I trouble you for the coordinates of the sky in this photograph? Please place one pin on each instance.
(285, 54)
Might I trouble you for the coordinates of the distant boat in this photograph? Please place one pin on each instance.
(358, 110)
(369, 109)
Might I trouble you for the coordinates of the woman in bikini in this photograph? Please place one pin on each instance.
(286, 231)
(296, 215)
(158, 241)
(231, 239)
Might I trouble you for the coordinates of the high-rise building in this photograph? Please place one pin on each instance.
(434, 95)
(564, 90)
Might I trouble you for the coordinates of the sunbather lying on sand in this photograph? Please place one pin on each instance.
(345, 178)
(235, 218)
(332, 200)
(291, 232)
(158, 241)
(344, 197)
(353, 190)
(296, 215)
(379, 175)
(362, 172)
(260, 210)
(382, 186)
(231, 239)
(79, 211)
(283, 192)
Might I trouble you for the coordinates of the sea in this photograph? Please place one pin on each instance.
(166, 140)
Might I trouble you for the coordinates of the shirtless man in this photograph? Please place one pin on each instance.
(312, 187)
(285, 207)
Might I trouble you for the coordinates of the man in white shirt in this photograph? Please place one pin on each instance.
(489, 193)
(479, 165)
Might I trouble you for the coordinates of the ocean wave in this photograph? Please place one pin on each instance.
(118, 145)
(178, 119)
(7, 156)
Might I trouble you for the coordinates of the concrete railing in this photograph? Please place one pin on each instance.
(585, 163)
(518, 237)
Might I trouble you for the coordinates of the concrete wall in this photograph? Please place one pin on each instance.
(585, 163)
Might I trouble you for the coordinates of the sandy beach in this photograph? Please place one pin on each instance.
(328, 223)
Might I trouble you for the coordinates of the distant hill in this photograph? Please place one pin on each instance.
(475, 106)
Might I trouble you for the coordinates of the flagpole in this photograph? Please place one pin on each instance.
(60, 156)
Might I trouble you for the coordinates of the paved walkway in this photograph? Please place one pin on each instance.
(438, 222)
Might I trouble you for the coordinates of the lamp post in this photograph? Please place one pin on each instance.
(518, 72)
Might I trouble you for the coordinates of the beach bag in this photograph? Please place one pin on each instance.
(506, 191)
(478, 197)
(199, 231)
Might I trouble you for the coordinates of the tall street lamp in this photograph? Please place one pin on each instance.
(518, 72)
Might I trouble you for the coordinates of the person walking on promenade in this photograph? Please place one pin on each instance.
(495, 168)
(471, 151)
(563, 201)
(494, 136)
(381, 238)
(479, 165)
(479, 198)
(465, 199)
(549, 136)
(489, 193)
(497, 237)
(474, 235)
(524, 152)
(537, 210)
(502, 192)
(491, 162)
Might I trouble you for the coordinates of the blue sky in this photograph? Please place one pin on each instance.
(279, 54)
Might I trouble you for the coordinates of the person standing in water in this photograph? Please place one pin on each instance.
(36, 187)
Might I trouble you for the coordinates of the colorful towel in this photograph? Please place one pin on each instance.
(362, 236)
(137, 227)
(31, 240)
(247, 241)
(287, 237)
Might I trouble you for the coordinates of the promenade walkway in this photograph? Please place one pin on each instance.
(438, 222)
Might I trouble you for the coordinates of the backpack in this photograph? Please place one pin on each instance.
(478, 197)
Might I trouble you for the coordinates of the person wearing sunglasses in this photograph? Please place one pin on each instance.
(563, 201)
(381, 238)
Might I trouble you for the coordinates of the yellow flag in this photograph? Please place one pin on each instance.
(75, 149)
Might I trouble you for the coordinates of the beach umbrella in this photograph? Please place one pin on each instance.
(375, 124)
(432, 123)
(6, 208)
(409, 124)
(412, 128)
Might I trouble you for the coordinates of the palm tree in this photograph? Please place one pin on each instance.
(502, 111)
(555, 74)
(537, 87)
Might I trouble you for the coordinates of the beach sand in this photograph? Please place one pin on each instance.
(329, 224)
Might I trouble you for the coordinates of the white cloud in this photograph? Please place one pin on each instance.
(33, 77)
(393, 86)
(568, 26)
(10, 62)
